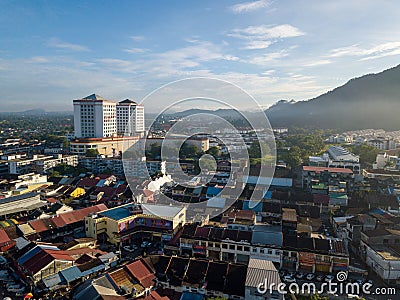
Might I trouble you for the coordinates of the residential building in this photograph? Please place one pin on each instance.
(124, 223)
(262, 271)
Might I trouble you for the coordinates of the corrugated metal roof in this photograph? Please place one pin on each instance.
(52, 281)
(71, 274)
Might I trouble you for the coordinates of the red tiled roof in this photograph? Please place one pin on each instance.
(120, 189)
(107, 190)
(77, 215)
(202, 232)
(51, 200)
(331, 170)
(41, 225)
(87, 182)
(147, 193)
(154, 296)
(142, 273)
(4, 239)
(321, 199)
(43, 258)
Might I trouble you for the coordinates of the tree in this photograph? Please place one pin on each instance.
(154, 151)
(294, 157)
(259, 150)
(92, 152)
(189, 151)
(214, 151)
(367, 153)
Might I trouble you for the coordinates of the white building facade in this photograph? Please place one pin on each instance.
(94, 117)
(130, 118)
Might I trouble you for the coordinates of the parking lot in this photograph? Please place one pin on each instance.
(300, 278)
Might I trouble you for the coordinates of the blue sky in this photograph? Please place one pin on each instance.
(54, 51)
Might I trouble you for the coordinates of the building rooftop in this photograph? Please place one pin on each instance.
(127, 101)
(162, 211)
(341, 154)
(330, 170)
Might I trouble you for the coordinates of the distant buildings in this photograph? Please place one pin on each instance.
(337, 157)
(21, 164)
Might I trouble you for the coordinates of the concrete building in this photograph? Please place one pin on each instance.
(130, 118)
(382, 144)
(127, 222)
(39, 163)
(111, 146)
(262, 271)
(94, 117)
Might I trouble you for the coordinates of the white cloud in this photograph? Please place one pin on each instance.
(255, 45)
(378, 51)
(263, 32)
(137, 38)
(267, 59)
(136, 50)
(315, 63)
(56, 43)
(249, 6)
(261, 37)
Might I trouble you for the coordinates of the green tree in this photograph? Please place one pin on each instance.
(189, 151)
(294, 157)
(214, 151)
(92, 152)
(259, 150)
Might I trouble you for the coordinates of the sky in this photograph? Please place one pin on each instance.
(52, 52)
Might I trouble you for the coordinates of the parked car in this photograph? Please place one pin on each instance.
(360, 281)
(289, 278)
(300, 275)
(15, 289)
(329, 278)
(320, 277)
(20, 291)
(145, 244)
(130, 248)
(282, 273)
(310, 276)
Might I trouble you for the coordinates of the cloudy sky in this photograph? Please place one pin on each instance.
(54, 51)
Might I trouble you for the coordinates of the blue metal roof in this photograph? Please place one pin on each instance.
(28, 255)
(71, 274)
(118, 213)
(213, 191)
(252, 205)
(191, 296)
(51, 281)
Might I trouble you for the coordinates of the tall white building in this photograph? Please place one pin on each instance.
(130, 118)
(94, 117)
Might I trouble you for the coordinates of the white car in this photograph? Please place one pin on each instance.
(329, 278)
(310, 276)
(289, 278)
(130, 249)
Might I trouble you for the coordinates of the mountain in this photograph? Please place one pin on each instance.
(370, 101)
